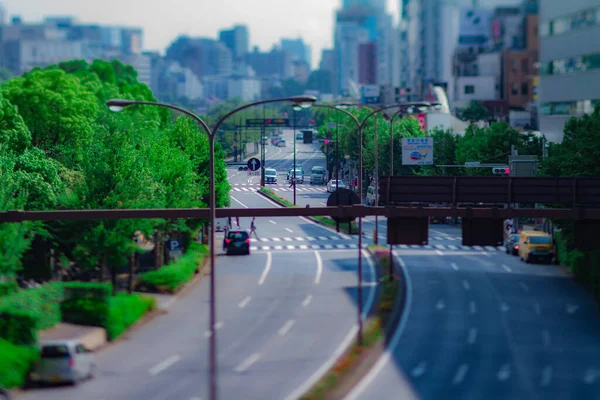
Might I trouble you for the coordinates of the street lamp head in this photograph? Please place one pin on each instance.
(296, 107)
(303, 101)
(423, 108)
(117, 105)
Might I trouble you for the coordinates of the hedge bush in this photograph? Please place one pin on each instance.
(86, 303)
(15, 363)
(171, 278)
(8, 288)
(124, 310)
(24, 313)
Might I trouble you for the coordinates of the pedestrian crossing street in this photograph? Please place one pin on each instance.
(303, 239)
(340, 242)
(279, 188)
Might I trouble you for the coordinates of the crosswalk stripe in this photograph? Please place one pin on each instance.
(299, 239)
(287, 239)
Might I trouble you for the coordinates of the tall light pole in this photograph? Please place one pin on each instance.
(119, 105)
(294, 110)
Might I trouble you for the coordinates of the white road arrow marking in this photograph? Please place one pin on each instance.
(572, 309)
(473, 307)
(591, 375)
(419, 370)
(546, 376)
(504, 372)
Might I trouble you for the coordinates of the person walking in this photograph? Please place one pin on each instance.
(292, 182)
(253, 228)
(237, 221)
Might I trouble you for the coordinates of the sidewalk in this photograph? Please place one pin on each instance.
(92, 337)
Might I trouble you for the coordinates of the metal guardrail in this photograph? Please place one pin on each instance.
(490, 190)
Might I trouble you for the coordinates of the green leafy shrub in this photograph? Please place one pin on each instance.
(172, 277)
(8, 288)
(24, 313)
(86, 303)
(85, 290)
(15, 363)
(124, 310)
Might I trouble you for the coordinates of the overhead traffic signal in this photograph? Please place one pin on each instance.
(501, 171)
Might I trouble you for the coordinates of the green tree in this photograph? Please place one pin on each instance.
(57, 109)
(579, 152)
(475, 112)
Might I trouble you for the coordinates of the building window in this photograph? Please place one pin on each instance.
(469, 89)
(524, 89)
(525, 66)
(514, 65)
(514, 89)
(575, 108)
(571, 64)
(544, 29)
(579, 20)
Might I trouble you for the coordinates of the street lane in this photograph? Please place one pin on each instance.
(483, 324)
(279, 328)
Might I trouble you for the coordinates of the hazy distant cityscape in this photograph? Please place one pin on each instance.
(493, 56)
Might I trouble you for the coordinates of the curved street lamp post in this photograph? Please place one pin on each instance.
(119, 105)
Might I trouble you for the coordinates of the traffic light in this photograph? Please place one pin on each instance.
(312, 121)
(501, 171)
(326, 141)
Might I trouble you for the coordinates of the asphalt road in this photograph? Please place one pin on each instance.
(284, 315)
(484, 325)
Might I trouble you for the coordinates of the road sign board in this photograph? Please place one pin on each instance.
(417, 151)
(331, 125)
(253, 164)
(259, 122)
(174, 245)
(342, 197)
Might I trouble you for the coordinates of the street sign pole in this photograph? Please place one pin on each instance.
(294, 165)
(263, 156)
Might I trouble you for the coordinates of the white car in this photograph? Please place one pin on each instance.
(332, 185)
(64, 361)
(270, 175)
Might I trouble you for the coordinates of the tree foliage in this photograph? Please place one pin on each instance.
(475, 112)
(63, 149)
(579, 152)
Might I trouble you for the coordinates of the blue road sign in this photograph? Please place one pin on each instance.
(174, 245)
(253, 164)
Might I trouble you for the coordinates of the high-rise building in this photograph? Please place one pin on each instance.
(377, 4)
(570, 62)
(276, 64)
(297, 49)
(204, 56)
(237, 39)
(431, 34)
(360, 23)
(327, 60)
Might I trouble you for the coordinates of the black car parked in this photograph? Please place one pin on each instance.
(237, 242)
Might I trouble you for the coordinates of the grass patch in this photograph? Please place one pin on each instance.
(173, 277)
(373, 331)
(323, 220)
(15, 363)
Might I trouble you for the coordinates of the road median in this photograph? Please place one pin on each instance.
(356, 362)
(325, 221)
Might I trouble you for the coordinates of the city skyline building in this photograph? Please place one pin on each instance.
(569, 63)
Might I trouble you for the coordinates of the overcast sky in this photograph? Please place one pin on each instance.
(164, 20)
